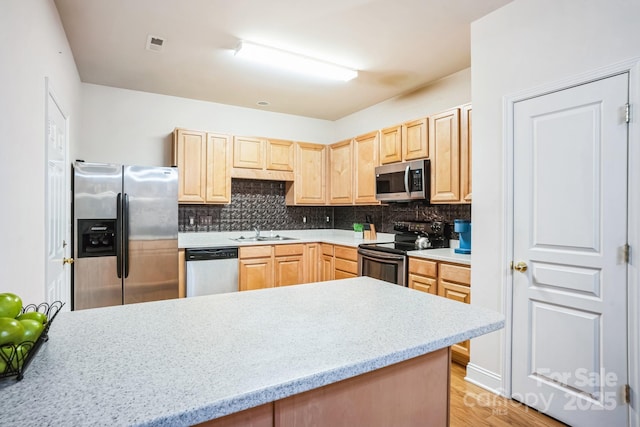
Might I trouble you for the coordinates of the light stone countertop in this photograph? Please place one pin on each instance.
(223, 238)
(184, 361)
(444, 254)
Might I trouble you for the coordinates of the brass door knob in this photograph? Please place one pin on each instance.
(521, 267)
(67, 261)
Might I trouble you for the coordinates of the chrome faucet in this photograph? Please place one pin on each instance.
(257, 230)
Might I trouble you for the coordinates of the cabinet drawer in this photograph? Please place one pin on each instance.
(346, 265)
(454, 291)
(423, 267)
(345, 252)
(327, 249)
(294, 249)
(424, 284)
(455, 273)
(255, 251)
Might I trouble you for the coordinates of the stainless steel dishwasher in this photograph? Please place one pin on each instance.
(211, 271)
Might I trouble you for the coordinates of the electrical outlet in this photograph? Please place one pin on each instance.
(328, 219)
(304, 219)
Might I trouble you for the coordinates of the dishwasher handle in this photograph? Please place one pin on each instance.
(206, 254)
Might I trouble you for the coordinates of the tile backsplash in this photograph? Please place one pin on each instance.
(256, 203)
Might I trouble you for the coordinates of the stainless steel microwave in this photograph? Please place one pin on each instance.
(403, 182)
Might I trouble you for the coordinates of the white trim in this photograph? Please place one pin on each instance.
(633, 279)
(631, 66)
(485, 379)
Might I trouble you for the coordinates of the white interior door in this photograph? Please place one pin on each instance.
(57, 208)
(570, 229)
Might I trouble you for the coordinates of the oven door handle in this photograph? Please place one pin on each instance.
(380, 255)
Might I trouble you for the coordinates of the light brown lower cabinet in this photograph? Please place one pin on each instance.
(267, 266)
(327, 271)
(345, 262)
(410, 393)
(452, 281)
(311, 262)
(255, 267)
(289, 264)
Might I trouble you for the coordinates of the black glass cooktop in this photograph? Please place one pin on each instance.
(406, 234)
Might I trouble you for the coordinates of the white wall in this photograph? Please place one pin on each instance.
(438, 96)
(132, 127)
(522, 45)
(33, 46)
(125, 126)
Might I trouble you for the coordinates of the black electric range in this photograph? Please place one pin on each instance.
(389, 261)
(407, 234)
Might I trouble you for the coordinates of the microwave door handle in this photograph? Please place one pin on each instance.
(406, 180)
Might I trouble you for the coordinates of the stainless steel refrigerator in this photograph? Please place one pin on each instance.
(125, 225)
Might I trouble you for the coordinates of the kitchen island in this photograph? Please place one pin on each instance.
(307, 348)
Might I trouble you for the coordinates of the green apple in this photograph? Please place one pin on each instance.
(15, 355)
(10, 305)
(11, 331)
(34, 315)
(32, 330)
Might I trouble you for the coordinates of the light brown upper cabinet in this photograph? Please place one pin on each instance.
(365, 155)
(309, 187)
(280, 155)
(408, 141)
(391, 145)
(262, 158)
(204, 166)
(444, 148)
(341, 172)
(465, 152)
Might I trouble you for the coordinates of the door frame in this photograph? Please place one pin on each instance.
(632, 67)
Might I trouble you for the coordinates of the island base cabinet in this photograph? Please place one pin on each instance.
(410, 393)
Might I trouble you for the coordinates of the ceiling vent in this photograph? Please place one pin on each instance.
(155, 43)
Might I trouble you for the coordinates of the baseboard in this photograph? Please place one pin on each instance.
(486, 379)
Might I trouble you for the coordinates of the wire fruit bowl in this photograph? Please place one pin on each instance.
(16, 357)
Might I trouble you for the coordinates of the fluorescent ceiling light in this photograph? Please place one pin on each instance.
(293, 62)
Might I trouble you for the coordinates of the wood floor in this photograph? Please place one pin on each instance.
(475, 406)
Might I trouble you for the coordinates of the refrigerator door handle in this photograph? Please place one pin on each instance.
(125, 234)
(119, 235)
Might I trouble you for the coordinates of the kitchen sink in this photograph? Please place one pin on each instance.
(277, 237)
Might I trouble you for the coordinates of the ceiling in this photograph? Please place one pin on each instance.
(398, 46)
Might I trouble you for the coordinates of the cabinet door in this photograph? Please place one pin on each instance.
(391, 145)
(255, 273)
(326, 262)
(311, 167)
(248, 152)
(218, 189)
(465, 153)
(415, 140)
(280, 155)
(444, 151)
(365, 153)
(326, 267)
(312, 263)
(189, 152)
(341, 173)
(289, 270)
